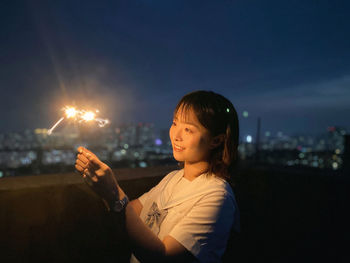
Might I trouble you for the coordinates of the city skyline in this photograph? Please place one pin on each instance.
(139, 146)
(287, 63)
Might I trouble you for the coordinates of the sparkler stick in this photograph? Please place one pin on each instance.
(54, 126)
(80, 116)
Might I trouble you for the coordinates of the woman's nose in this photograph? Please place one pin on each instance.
(178, 135)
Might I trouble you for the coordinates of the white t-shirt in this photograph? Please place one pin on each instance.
(199, 214)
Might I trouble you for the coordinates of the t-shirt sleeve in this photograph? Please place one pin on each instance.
(204, 231)
(145, 196)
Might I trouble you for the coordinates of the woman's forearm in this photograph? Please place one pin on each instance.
(136, 204)
(146, 245)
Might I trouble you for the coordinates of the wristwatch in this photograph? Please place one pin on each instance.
(119, 205)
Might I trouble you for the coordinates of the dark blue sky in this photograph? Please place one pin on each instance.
(285, 61)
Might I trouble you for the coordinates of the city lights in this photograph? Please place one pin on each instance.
(335, 165)
(139, 145)
(158, 142)
(249, 139)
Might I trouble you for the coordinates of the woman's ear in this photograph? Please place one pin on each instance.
(217, 141)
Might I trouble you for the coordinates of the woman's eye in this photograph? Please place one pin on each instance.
(174, 123)
(188, 130)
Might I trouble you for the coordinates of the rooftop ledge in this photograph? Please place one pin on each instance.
(287, 215)
(44, 180)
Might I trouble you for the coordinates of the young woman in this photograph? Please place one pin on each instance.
(188, 216)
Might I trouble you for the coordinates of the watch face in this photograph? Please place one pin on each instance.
(120, 204)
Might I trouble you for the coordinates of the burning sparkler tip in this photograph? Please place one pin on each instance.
(80, 116)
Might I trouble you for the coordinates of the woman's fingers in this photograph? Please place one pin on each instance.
(91, 176)
(79, 168)
(85, 152)
(87, 159)
(88, 180)
(96, 163)
(80, 163)
(80, 149)
(82, 158)
(86, 174)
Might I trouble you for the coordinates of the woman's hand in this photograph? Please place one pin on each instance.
(98, 175)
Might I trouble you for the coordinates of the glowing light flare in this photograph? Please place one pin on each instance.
(70, 112)
(80, 116)
(88, 116)
(101, 122)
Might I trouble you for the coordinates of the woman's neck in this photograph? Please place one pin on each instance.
(193, 170)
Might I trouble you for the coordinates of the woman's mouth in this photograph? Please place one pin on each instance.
(178, 148)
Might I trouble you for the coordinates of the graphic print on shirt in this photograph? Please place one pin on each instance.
(155, 217)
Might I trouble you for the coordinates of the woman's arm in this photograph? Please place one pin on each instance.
(146, 245)
(136, 204)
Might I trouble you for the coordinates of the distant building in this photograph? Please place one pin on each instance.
(336, 138)
(346, 155)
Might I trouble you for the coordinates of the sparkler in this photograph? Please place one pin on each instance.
(80, 116)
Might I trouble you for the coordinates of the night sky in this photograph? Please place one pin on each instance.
(287, 62)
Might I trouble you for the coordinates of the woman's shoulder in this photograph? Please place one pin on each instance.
(219, 188)
(218, 182)
(172, 174)
(169, 176)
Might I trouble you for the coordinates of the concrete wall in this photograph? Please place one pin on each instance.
(286, 216)
(57, 218)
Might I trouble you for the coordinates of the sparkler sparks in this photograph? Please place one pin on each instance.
(80, 116)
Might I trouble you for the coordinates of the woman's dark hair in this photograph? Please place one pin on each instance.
(219, 117)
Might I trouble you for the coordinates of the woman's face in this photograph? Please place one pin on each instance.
(190, 140)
